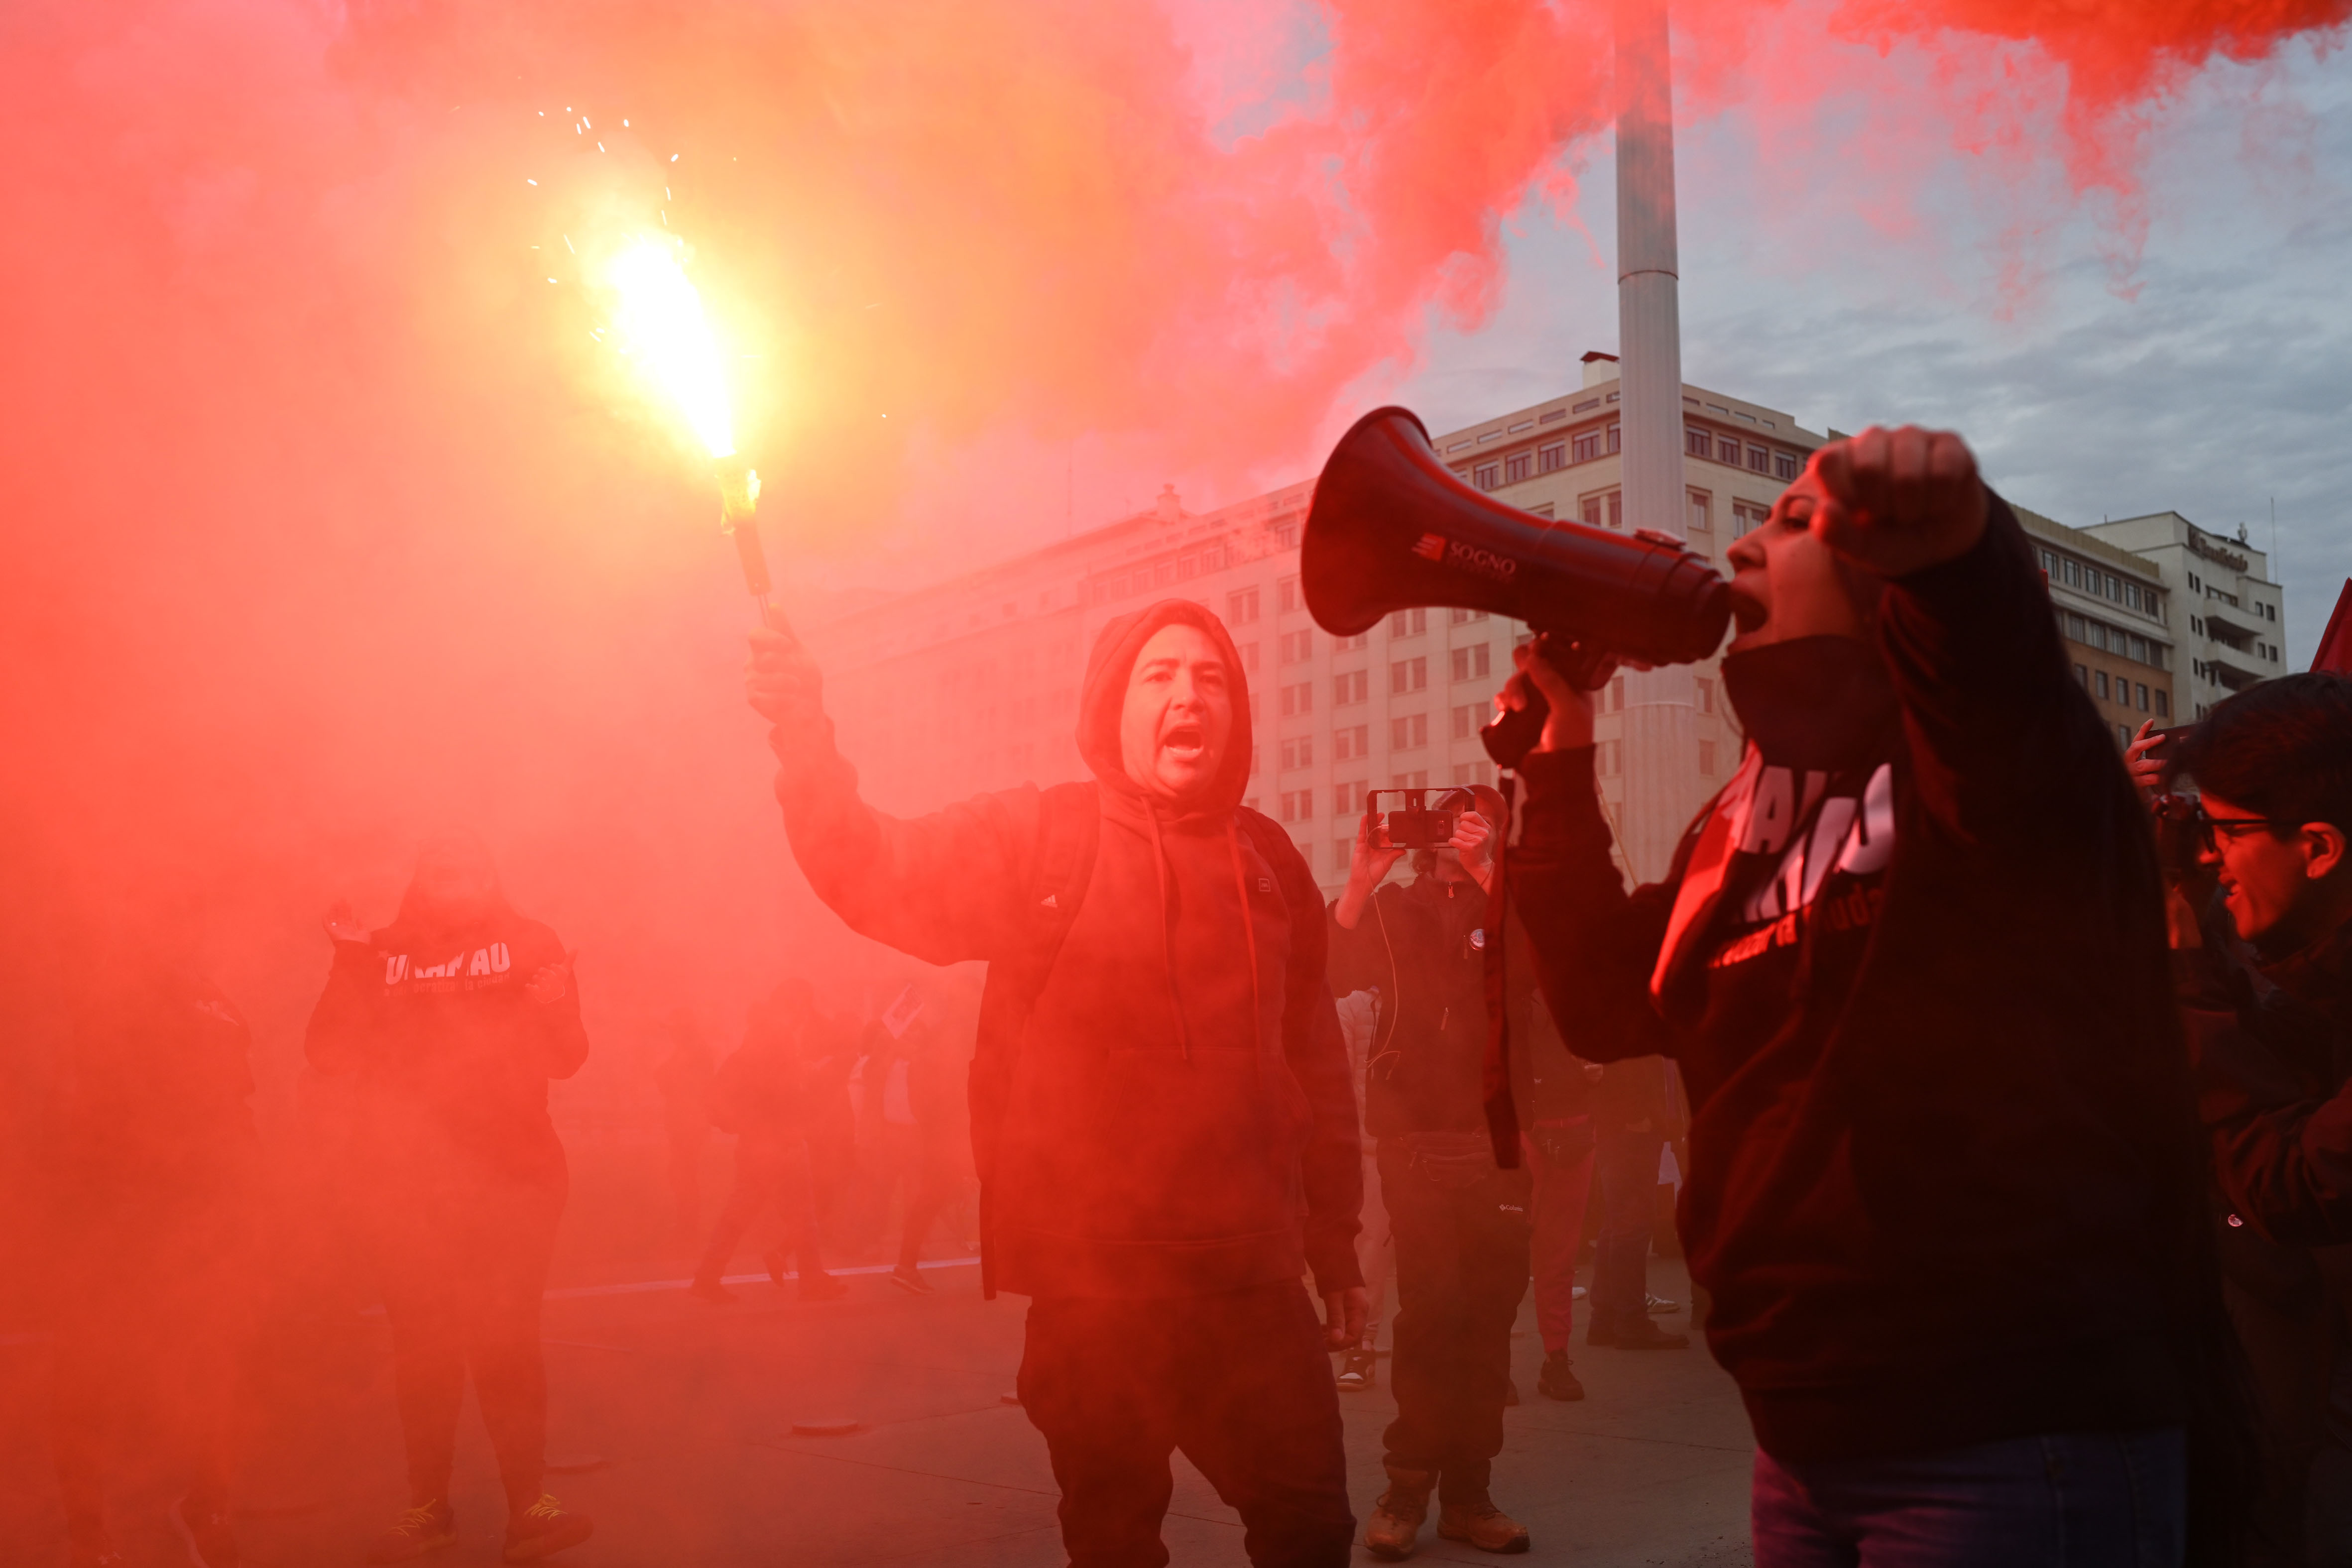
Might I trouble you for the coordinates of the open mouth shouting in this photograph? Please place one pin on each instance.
(1184, 741)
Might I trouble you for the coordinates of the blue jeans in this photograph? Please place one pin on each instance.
(2067, 1499)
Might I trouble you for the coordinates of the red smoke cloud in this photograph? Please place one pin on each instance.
(327, 520)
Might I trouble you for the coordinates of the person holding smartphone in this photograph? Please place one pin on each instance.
(1459, 1222)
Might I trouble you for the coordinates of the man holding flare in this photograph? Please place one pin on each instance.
(1944, 1187)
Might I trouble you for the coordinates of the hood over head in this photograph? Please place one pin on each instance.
(1103, 698)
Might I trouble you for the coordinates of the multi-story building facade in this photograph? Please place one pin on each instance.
(2113, 609)
(2232, 617)
(972, 684)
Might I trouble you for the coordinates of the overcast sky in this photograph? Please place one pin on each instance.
(2223, 381)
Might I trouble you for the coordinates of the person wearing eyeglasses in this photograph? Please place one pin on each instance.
(2261, 923)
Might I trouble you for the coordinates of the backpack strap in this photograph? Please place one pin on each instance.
(1069, 831)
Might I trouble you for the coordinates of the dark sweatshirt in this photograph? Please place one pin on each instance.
(1943, 1185)
(1422, 945)
(453, 1059)
(1177, 1118)
(2274, 1047)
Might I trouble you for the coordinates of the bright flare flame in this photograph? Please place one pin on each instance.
(662, 327)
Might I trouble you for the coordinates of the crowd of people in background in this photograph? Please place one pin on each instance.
(1998, 1219)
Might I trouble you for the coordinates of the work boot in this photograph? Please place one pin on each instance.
(1558, 1378)
(428, 1527)
(1395, 1526)
(1477, 1521)
(542, 1529)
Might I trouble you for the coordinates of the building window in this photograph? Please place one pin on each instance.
(2163, 706)
(1240, 607)
(1348, 687)
(1473, 773)
(1705, 694)
(2103, 685)
(1298, 752)
(1727, 450)
(1609, 758)
(1518, 467)
(1408, 675)
(1351, 742)
(1697, 442)
(2142, 690)
(1552, 458)
(1487, 476)
(1350, 645)
(1745, 520)
(1760, 459)
(1408, 622)
(1249, 656)
(1409, 733)
(1297, 699)
(1468, 718)
(1784, 466)
(1707, 758)
(1468, 663)
(1416, 780)
(1459, 617)
(1286, 592)
(1298, 805)
(1298, 647)
(1604, 511)
(1616, 439)
(1347, 798)
(1701, 512)
(1588, 446)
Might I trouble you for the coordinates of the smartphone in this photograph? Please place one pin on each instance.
(1421, 818)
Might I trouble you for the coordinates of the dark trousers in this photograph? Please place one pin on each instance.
(1239, 1381)
(2302, 1368)
(463, 1270)
(153, 1318)
(767, 1171)
(1462, 1259)
(1627, 1170)
(2066, 1500)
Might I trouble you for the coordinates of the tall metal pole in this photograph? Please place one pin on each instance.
(1662, 790)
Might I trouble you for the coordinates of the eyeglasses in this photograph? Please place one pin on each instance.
(2210, 831)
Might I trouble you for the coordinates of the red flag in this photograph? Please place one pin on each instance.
(2335, 653)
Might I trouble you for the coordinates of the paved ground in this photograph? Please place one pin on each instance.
(686, 1413)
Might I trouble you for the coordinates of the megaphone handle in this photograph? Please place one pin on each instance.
(1511, 734)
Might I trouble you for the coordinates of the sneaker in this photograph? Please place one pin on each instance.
(1654, 1305)
(209, 1530)
(1357, 1372)
(910, 1280)
(775, 1262)
(542, 1529)
(1477, 1521)
(711, 1290)
(819, 1286)
(428, 1527)
(1558, 1378)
